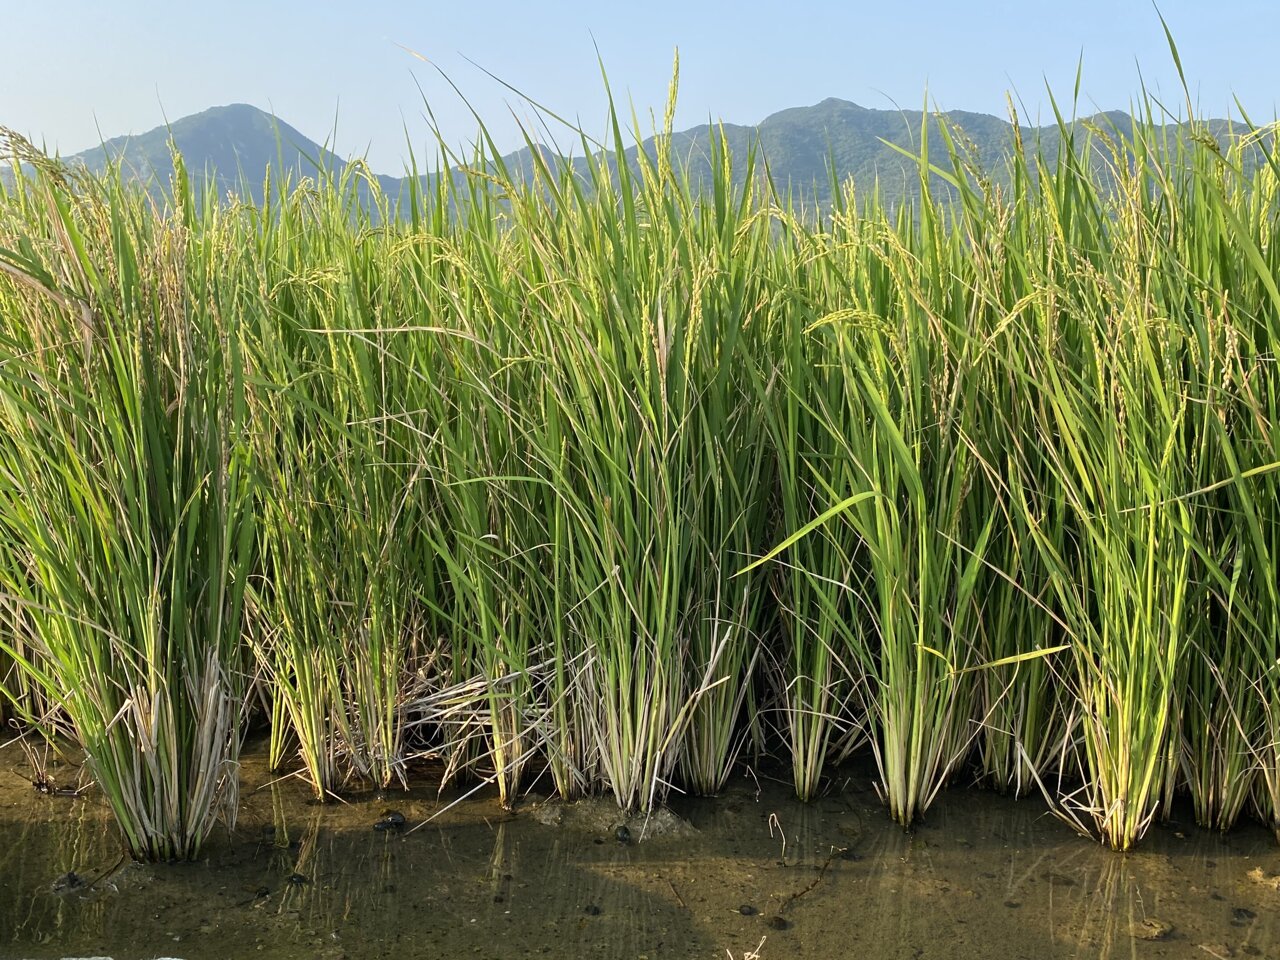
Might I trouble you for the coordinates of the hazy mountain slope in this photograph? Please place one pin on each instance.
(238, 143)
(234, 144)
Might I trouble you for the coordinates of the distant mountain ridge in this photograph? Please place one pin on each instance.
(237, 143)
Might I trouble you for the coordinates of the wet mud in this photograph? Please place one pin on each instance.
(751, 872)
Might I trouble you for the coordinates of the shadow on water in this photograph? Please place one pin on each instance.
(297, 879)
(984, 877)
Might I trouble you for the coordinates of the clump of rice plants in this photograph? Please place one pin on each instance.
(1126, 600)
(645, 438)
(1117, 425)
(823, 625)
(341, 594)
(1237, 713)
(1023, 710)
(876, 421)
(125, 521)
(487, 533)
(617, 314)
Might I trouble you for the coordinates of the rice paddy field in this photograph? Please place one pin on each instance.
(603, 484)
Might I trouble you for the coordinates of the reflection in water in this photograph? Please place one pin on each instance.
(985, 876)
(69, 861)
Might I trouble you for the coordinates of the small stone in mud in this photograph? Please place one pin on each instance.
(1013, 904)
(777, 923)
(390, 820)
(747, 910)
(622, 834)
(68, 881)
(592, 910)
(1241, 914)
(1151, 928)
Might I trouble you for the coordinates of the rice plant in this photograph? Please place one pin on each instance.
(1243, 320)
(341, 597)
(1118, 423)
(635, 309)
(127, 528)
(824, 643)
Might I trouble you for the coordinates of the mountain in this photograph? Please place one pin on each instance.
(878, 149)
(236, 144)
(223, 141)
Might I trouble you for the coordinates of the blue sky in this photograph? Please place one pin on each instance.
(71, 69)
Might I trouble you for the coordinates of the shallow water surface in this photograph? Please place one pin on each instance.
(752, 871)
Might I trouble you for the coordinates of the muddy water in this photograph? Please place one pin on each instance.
(752, 871)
